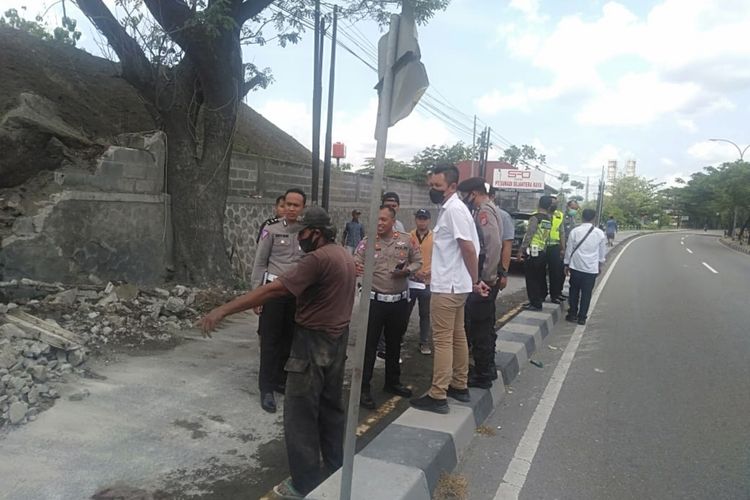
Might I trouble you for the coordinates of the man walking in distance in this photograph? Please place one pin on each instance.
(323, 282)
(279, 210)
(555, 253)
(419, 286)
(354, 231)
(583, 262)
(480, 311)
(611, 231)
(533, 253)
(277, 252)
(392, 200)
(395, 259)
(455, 274)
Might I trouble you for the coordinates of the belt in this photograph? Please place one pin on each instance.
(389, 297)
(269, 277)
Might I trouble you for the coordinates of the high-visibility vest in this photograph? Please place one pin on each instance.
(543, 228)
(557, 220)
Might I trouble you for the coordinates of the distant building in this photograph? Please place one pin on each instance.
(611, 175)
(630, 168)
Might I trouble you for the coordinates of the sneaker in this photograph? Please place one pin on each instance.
(425, 349)
(532, 307)
(286, 490)
(479, 383)
(581, 321)
(459, 394)
(570, 318)
(428, 403)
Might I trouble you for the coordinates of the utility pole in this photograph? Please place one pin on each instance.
(329, 117)
(317, 101)
(587, 188)
(474, 144)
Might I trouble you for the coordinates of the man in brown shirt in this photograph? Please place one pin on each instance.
(323, 282)
(419, 286)
(395, 259)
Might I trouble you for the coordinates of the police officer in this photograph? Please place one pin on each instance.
(555, 254)
(323, 282)
(395, 259)
(533, 253)
(480, 311)
(279, 210)
(276, 253)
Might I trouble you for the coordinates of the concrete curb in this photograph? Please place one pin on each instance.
(735, 245)
(406, 460)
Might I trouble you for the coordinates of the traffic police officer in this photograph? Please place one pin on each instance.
(480, 311)
(279, 210)
(276, 253)
(555, 253)
(395, 259)
(533, 253)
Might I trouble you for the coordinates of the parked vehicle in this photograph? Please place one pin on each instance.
(521, 222)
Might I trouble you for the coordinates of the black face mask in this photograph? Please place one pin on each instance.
(308, 244)
(468, 201)
(437, 196)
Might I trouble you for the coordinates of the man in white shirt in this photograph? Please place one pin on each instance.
(584, 257)
(455, 274)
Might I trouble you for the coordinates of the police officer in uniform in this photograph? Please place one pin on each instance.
(533, 253)
(279, 210)
(480, 311)
(395, 259)
(323, 282)
(276, 253)
(555, 254)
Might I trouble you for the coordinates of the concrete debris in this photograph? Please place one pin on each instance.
(48, 335)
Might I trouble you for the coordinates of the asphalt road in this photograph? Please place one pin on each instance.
(655, 402)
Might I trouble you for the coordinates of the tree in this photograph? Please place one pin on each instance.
(395, 169)
(184, 58)
(525, 155)
(433, 155)
(633, 200)
(67, 33)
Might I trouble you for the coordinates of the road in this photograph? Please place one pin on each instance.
(650, 400)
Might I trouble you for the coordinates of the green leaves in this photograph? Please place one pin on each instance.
(66, 33)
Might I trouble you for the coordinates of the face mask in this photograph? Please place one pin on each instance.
(437, 196)
(308, 244)
(572, 211)
(468, 201)
(552, 208)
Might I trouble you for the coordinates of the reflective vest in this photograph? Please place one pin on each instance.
(543, 228)
(557, 220)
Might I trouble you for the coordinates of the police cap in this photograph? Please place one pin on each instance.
(472, 184)
(422, 214)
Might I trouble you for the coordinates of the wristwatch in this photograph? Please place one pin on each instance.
(502, 273)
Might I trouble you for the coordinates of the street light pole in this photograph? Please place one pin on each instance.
(742, 158)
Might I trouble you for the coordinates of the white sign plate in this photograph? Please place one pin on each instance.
(518, 180)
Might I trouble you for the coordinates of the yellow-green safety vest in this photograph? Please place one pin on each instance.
(557, 220)
(543, 228)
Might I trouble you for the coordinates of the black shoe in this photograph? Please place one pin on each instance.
(532, 307)
(562, 297)
(381, 355)
(428, 403)
(268, 402)
(479, 383)
(556, 301)
(398, 390)
(459, 394)
(280, 388)
(570, 318)
(366, 401)
(581, 321)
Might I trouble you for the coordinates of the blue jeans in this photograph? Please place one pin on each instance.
(423, 296)
(581, 287)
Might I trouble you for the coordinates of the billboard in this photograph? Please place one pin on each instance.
(518, 180)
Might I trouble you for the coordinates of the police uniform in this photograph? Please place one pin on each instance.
(276, 253)
(534, 246)
(267, 222)
(389, 303)
(480, 311)
(555, 252)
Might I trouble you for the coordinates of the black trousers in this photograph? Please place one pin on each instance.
(391, 320)
(314, 414)
(536, 278)
(479, 321)
(581, 287)
(276, 329)
(556, 271)
(425, 328)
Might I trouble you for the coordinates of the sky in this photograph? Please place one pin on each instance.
(584, 82)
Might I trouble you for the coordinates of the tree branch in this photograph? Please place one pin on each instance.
(136, 68)
(249, 9)
(172, 15)
(251, 84)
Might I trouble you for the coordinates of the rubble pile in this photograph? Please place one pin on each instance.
(48, 330)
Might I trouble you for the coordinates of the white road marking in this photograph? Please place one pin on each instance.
(518, 469)
(689, 251)
(682, 242)
(710, 268)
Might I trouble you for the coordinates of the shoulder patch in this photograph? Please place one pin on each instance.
(264, 234)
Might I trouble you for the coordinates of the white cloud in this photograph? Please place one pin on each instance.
(356, 130)
(601, 156)
(687, 124)
(679, 58)
(668, 162)
(713, 152)
(529, 8)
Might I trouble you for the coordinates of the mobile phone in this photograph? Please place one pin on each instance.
(400, 266)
